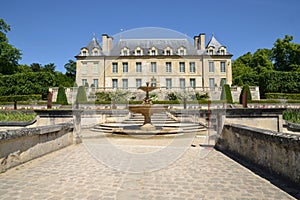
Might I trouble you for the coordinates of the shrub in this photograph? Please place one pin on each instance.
(20, 97)
(226, 94)
(103, 96)
(201, 96)
(246, 88)
(61, 96)
(172, 96)
(81, 95)
(282, 96)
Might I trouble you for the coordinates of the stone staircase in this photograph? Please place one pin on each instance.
(158, 120)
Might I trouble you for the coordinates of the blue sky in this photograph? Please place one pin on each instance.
(54, 31)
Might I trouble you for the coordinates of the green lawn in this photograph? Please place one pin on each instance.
(16, 116)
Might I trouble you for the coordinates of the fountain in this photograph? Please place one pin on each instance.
(147, 109)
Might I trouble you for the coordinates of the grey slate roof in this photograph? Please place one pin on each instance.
(94, 44)
(160, 44)
(214, 43)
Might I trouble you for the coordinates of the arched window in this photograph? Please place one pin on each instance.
(222, 50)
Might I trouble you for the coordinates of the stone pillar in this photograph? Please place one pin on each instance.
(77, 127)
(49, 100)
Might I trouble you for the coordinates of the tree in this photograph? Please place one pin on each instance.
(49, 68)
(61, 96)
(36, 67)
(81, 95)
(286, 54)
(9, 55)
(71, 69)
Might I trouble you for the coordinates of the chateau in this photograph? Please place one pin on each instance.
(170, 63)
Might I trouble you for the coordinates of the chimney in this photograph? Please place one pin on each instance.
(202, 41)
(109, 44)
(196, 42)
(104, 43)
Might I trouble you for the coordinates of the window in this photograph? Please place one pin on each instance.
(181, 67)
(181, 52)
(138, 66)
(223, 67)
(211, 82)
(193, 83)
(192, 67)
(84, 53)
(84, 81)
(115, 83)
(211, 66)
(125, 83)
(168, 52)
(95, 82)
(138, 82)
(125, 67)
(115, 67)
(168, 83)
(153, 53)
(138, 52)
(95, 68)
(95, 53)
(153, 82)
(153, 67)
(125, 52)
(182, 83)
(211, 52)
(222, 52)
(84, 66)
(168, 67)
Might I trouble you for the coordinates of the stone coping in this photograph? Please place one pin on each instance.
(23, 132)
(16, 123)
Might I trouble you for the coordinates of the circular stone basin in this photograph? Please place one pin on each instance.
(147, 109)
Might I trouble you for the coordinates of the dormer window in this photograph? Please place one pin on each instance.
(138, 51)
(125, 51)
(211, 52)
(84, 52)
(95, 52)
(182, 51)
(153, 51)
(168, 51)
(222, 50)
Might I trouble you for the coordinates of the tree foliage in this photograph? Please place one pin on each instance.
(9, 55)
(61, 96)
(26, 83)
(251, 69)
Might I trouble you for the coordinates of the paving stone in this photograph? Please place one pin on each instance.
(74, 173)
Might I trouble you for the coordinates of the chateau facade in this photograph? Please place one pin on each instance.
(171, 63)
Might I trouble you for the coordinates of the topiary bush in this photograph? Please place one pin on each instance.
(245, 88)
(61, 96)
(81, 95)
(226, 94)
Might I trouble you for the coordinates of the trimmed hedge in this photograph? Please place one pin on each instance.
(81, 95)
(61, 96)
(282, 96)
(226, 94)
(13, 98)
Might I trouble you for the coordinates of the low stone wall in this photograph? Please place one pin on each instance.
(279, 153)
(21, 145)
